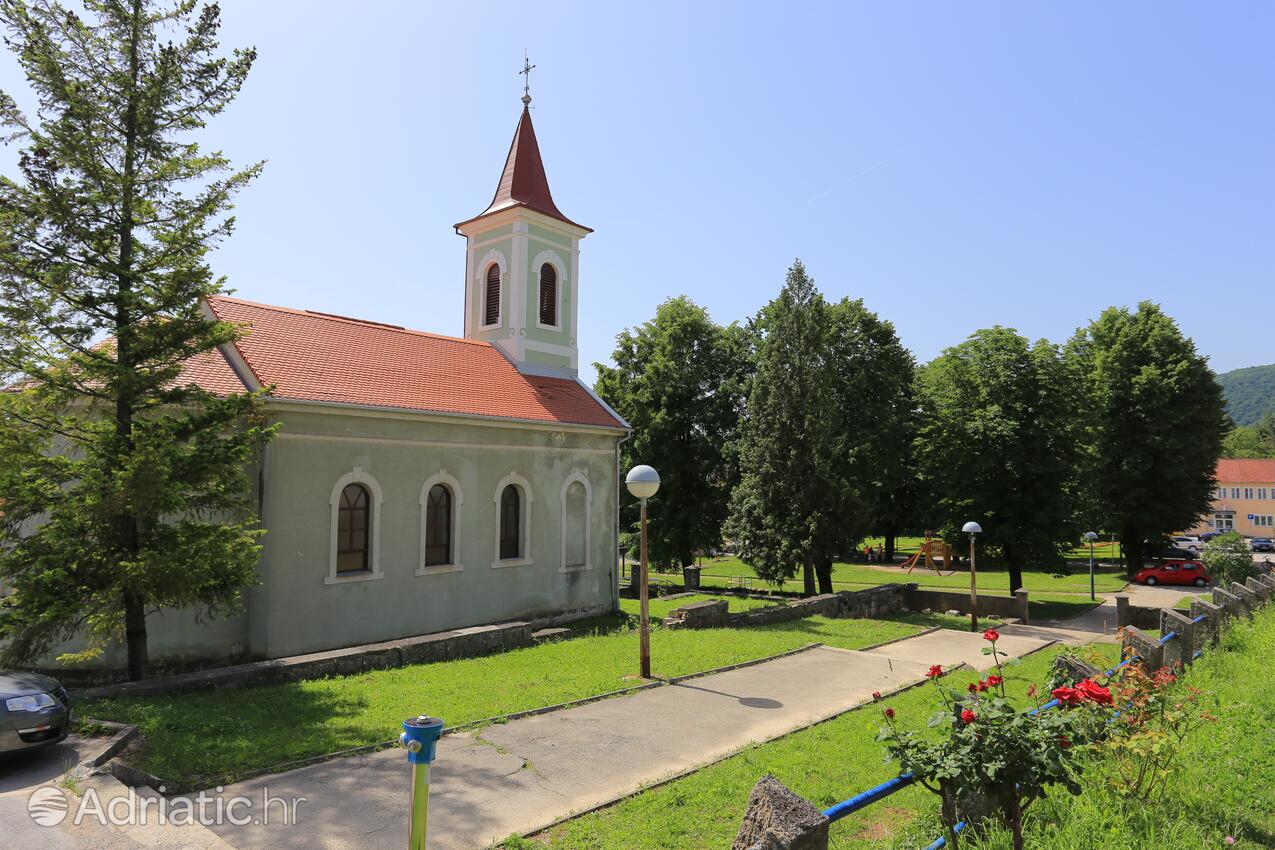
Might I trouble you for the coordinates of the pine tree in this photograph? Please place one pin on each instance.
(125, 487)
(787, 511)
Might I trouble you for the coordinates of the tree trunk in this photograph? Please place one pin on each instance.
(889, 545)
(135, 635)
(1134, 550)
(824, 570)
(1015, 576)
(808, 576)
(1016, 820)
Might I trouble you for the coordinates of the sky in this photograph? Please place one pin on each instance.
(955, 165)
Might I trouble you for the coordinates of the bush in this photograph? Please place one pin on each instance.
(1228, 559)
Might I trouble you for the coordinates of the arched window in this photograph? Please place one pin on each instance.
(510, 523)
(438, 526)
(575, 516)
(548, 295)
(491, 298)
(353, 541)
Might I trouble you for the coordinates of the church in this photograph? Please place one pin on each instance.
(421, 483)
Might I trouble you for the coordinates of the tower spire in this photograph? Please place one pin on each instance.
(526, 82)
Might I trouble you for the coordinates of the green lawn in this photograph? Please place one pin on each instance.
(1058, 606)
(200, 739)
(1103, 550)
(718, 572)
(825, 764)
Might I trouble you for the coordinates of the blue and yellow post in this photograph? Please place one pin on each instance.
(420, 735)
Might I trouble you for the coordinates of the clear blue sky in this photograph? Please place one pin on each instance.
(956, 165)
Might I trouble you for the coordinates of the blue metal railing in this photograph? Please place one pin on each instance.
(890, 786)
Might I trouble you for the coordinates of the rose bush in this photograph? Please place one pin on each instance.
(996, 758)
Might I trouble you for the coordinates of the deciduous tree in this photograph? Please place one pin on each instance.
(1156, 421)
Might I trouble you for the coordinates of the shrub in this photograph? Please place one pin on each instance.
(1228, 559)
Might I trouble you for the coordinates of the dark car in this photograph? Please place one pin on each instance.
(1173, 572)
(35, 711)
(1209, 535)
(1263, 544)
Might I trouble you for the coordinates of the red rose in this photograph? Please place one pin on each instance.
(993, 681)
(968, 716)
(889, 713)
(981, 686)
(935, 671)
(1063, 742)
(992, 635)
(1091, 690)
(1068, 696)
(876, 695)
(972, 687)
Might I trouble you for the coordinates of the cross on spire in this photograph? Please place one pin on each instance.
(526, 83)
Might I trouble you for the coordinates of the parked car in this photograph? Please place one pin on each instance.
(1173, 572)
(1209, 535)
(1189, 542)
(1262, 544)
(35, 711)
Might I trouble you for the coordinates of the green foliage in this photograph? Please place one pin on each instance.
(999, 443)
(1156, 424)
(1252, 441)
(1227, 558)
(680, 380)
(125, 487)
(1249, 393)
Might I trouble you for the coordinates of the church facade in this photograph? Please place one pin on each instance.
(422, 483)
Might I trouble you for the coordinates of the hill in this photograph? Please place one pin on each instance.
(1250, 392)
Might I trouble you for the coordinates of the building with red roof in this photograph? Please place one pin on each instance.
(1244, 500)
(422, 483)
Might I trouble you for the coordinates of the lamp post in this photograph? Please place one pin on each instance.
(1091, 537)
(643, 482)
(972, 528)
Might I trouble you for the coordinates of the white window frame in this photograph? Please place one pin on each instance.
(373, 572)
(498, 258)
(577, 475)
(1235, 492)
(527, 498)
(458, 499)
(1263, 521)
(552, 258)
(1248, 492)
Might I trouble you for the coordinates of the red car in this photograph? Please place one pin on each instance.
(1174, 572)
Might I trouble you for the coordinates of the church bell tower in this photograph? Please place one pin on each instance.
(522, 265)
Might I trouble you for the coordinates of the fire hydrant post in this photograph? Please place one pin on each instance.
(420, 735)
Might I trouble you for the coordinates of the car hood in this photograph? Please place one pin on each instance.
(16, 683)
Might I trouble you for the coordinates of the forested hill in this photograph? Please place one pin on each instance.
(1250, 392)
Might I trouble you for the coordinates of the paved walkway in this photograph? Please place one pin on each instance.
(526, 774)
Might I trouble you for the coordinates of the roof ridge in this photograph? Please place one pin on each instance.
(314, 314)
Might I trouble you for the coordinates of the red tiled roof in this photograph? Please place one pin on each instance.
(523, 182)
(318, 357)
(1235, 470)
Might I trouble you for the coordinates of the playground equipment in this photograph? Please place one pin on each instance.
(931, 552)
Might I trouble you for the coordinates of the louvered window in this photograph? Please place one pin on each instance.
(548, 295)
(510, 523)
(491, 303)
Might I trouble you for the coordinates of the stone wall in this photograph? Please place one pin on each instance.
(845, 604)
(1138, 616)
(950, 600)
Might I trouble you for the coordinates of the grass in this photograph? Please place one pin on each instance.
(824, 764)
(199, 739)
(1222, 786)
(1058, 606)
(718, 572)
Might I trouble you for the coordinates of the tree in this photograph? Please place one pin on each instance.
(998, 444)
(1251, 441)
(786, 512)
(679, 381)
(1228, 558)
(876, 405)
(124, 485)
(1156, 421)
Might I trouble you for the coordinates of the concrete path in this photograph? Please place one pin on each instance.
(949, 648)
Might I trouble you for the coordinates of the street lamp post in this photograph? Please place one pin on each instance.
(1091, 537)
(643, 482)
(972, 528)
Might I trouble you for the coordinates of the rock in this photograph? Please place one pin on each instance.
(1070, 669)
(777, 819)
